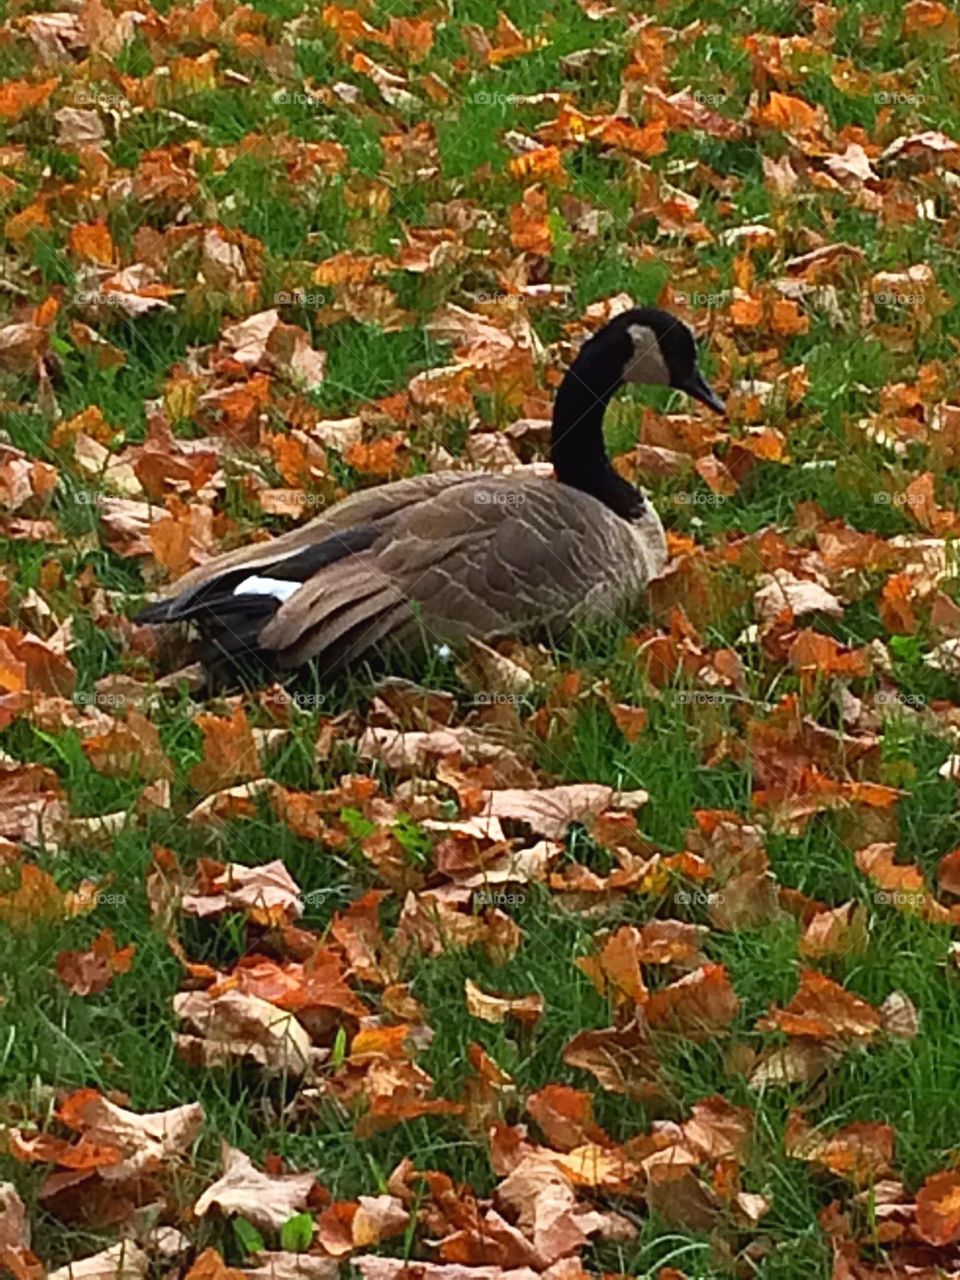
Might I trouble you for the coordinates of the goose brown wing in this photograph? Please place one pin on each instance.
(496, 556)
(368, 507)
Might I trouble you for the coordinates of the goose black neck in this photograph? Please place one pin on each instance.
(577, 450)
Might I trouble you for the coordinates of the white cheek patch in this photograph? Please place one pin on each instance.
(646, 365)
(275, 587)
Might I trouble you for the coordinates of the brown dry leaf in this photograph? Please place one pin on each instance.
(621, 1058)
(938, 1208)
(799, 1062)
(782, 590)
(836, 932)
(565, 1115)
(129, 746)
(17, 97)
(268, 892)
(550, 812)
(900, 1016)
(230, 752)
(284, 1266)
(948, 871)
(615, 970)
(823, 1010)
(264, 1199)
(92, 241)
(211, 1266)
(896, 605)
(374, 1267)
(876, 861)
(236, 1025)
(718, 1130)
(861, 1152)
(481, 1004)
(529, 225)
(122, 1261)
(86, 973)
(700, 1005)
(786, 113)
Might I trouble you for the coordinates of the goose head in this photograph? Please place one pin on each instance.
(650, 346)
(642, 345)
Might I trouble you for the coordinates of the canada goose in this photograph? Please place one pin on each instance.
(448, 555)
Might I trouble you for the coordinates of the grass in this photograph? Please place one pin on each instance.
(121, 1040)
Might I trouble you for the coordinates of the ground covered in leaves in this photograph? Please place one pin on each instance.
(631, 957)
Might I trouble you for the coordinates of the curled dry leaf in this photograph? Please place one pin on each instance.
(235, 1025)
(85, 973)
(861, 1152)
(823, 1010)
(265, 1200)
(290, 1266)
(700, 1005)
(122, 1261)
(938, 1208)
(268, 892)
(551, 811)
(621, 1058)
(481, 1004)
(565, 1115)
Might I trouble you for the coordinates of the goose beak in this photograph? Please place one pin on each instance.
(698, 387)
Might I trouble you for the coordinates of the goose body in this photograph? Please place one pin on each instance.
(443, 556)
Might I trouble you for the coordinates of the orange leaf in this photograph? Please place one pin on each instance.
(543, 165)
(746, 313)
(229, 752)
(85, 973)
(93, 241)
(823, 1010)
(788, 319)
(896, 608)
(529, 229)
(17, 97)
(646, 141)
(33, 218)
(211, 1266)
(786, 113)
(631, 721)
(699, 1005)
(938, 1208)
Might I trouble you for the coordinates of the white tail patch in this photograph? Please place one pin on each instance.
(275, 587)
